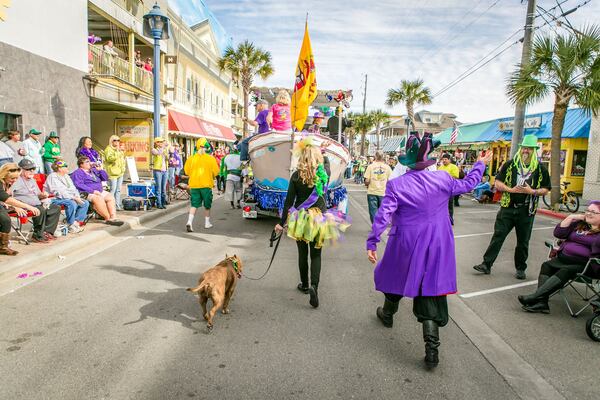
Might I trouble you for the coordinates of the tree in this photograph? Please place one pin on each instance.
(568, 67)
(363, 123)
(245, 63)
(410, 93)
(380, 118)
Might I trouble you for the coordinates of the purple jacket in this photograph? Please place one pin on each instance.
(419, 258)
(89, 182)
(91, 154)
(578, 246)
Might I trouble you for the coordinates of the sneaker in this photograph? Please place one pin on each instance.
(74, 228)
(521, 275)
(49, 236)
(189, 228)
(208, 225)
(483, 268)
(38, 238)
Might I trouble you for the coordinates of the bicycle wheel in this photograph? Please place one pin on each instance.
(592, 328)
(572, 202)
(546, 200)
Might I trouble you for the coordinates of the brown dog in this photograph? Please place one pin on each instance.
(218, 284)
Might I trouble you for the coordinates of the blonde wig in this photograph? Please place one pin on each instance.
(308, 162)
(283, 97)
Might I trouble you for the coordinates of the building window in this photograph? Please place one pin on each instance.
(189, 89)
(578, 165)
(9, 122)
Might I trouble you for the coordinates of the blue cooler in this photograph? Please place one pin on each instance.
(144, 190)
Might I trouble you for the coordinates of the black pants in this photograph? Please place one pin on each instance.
(507, 219)
(456, 200)
(47, 221)
(451, 209)
(4, 220)
(562, 268)
(426, 308)
(220, 183)
(315, 263)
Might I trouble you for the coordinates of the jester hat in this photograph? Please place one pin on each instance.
(418, 150)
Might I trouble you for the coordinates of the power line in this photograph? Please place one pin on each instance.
(471, 71)
(452, 38)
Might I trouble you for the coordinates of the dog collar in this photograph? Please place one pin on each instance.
(235, 265)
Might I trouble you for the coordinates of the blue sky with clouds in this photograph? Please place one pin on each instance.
(390, 40)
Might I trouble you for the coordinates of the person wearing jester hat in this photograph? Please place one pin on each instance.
(522, 181)
(202, 168)
(419, 259)
(306, 216)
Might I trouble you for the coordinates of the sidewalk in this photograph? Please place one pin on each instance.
(95, 231)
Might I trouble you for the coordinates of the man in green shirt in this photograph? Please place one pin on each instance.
(51, 152)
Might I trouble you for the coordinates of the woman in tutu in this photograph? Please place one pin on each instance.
(305, 213)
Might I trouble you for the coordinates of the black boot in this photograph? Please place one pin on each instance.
(431, 337)
(314, 298)
(483, 267)
(538, 301)
(386, 313)
(232, 205)
(532, 298)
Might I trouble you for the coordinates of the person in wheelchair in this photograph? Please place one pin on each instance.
(580, 235)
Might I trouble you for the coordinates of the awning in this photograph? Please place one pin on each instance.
(191, 126)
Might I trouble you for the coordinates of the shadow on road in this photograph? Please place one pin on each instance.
(173, 305)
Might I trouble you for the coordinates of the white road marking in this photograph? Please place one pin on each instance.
(498, 289)
(475, 212)
(541, 228)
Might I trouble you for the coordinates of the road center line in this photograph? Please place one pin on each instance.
(498, 289)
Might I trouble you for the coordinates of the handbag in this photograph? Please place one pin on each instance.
(131, 204)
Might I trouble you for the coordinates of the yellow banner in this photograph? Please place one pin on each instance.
(135, 135)
(305, 87)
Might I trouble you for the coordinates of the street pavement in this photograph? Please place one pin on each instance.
(115, 322)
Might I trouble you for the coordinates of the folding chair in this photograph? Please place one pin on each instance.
(18, 227)
(181, 193)
(591, 294)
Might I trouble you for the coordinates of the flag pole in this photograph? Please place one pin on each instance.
(294, 111)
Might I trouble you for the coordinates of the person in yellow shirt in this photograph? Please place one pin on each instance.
(202, 168)
(454, 172)
(376, 177)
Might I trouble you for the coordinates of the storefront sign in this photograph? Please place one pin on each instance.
(135, 135)
(530, 123)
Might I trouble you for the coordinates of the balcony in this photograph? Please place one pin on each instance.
(104, 64)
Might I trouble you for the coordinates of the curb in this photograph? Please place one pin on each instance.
(552, 214)
(77, 243)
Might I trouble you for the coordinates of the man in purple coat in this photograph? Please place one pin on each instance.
(419, 259)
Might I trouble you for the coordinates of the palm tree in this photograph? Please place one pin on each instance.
(363, 123)
(380, 118)
(568, 67)
(410, 93)
(244, 63)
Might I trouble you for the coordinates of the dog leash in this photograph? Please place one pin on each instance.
(275, 238)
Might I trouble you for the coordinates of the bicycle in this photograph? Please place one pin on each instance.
(569, 199)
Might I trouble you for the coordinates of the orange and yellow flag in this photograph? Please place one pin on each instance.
(305, 86)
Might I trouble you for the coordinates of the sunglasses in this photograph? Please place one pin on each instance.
(30, 169)
(14, 170)
(116, 140)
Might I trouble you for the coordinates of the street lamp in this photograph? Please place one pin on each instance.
(156, 26)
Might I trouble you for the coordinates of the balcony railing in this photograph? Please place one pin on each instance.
(103, 63)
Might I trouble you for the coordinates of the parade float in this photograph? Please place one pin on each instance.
(273, 163)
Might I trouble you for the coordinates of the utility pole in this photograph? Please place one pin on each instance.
(365, 96)
(517, 134)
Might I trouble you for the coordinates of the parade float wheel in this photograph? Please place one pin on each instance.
(592, 328)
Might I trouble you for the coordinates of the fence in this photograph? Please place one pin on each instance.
(103, 63)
